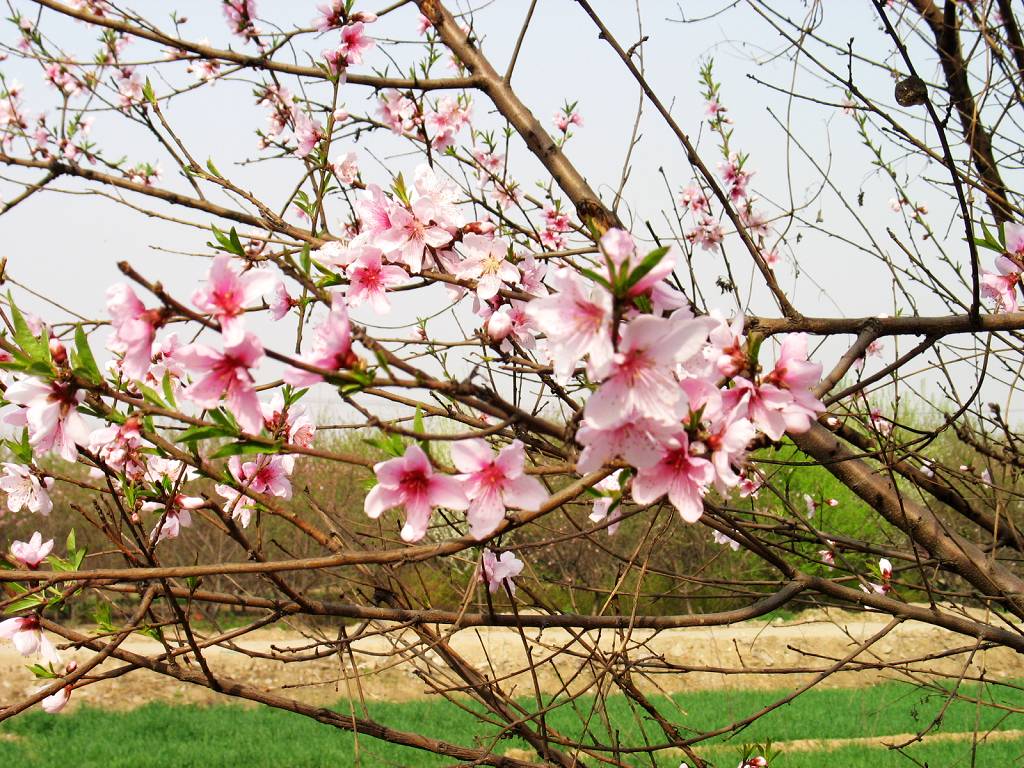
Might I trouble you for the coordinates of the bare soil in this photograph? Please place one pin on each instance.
(760, 651)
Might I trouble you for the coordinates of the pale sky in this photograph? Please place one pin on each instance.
(67, 246)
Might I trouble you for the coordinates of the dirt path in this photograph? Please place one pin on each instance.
(761, 648)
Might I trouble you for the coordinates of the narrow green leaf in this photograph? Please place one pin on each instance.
(32, 601)
(150, 395)
(400, 190)
(35, 348)
(194, 434)
(649, 262)
(85, 358)
(229, 243)
(168, 390)
(245, 447)
(235, 242)
(600, 280)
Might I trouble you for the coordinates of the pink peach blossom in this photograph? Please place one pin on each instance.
(119, 446)
(640, 379)
(611, 491)
(577, 322)
(32, 552)
(173, 516)
(226, 374)
(370, 279)
(228, 292)
(51, 412)
(265, 474)
(1001, 286)
(681, 475)
(355, 42)
(485, 262)
(280, 302)
(25, 489)
(500, 570)
(331, 15)
(332, 346)
(1014, 234)
(638, 441)
(396, 111)
(294, 422)
(621, 249)
(494, 483)
(134, 330)
(412, 231)
(28, 638)
(410, 482)
(55, 702)
(308, 133)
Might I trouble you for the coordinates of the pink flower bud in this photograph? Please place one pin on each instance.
(479, 228)
(499, 326)
(57, 351)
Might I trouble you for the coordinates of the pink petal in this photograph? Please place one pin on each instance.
(471, 455)
(446, 491)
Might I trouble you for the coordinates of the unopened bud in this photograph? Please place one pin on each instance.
(480, 227)
(499, 326)
(57, 351)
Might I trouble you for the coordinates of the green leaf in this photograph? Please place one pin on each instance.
(32, 601)
(37, 349)
(102, 617)
(400, 190)
(304, 259)
(213, 168)
(147, 92)
(417, 421)
(392, 445)
(225, 419)
(71, 541)
(990, 241)
(235, 242)
(21, 449)
(150, 395)
(40, 368)
(361, 380)
(42, 672)
(292, 396)
(245, 447)
(229, 242)
(165, 384)
(600, 280)
(84, 358)
(194, 434)
(650, 261)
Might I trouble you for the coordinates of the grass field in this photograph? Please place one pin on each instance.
(231, 735)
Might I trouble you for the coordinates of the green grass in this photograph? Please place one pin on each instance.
(232, 735)
(1007, 754)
